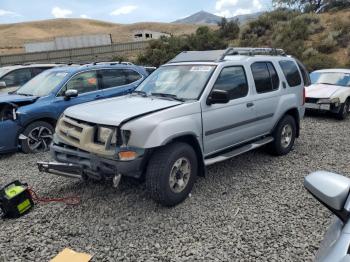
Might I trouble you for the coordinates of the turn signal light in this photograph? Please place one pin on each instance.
(127, 155)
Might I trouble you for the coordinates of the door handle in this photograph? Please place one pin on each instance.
(251, 104)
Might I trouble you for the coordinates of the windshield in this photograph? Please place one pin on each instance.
(184, 82)
(43, 84)
(339, 79)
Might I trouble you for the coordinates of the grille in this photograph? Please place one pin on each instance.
(83, 135)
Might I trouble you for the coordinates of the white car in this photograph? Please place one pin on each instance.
(330, 91)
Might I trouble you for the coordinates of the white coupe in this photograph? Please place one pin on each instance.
(330, 91)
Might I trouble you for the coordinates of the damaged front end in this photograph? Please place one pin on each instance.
(94, 151)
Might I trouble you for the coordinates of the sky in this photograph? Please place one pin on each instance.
(123, 11)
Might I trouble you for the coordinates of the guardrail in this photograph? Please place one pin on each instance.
(76, 55)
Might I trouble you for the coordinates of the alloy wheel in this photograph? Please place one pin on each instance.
(180, 175)
(39, 139)
(286, 136)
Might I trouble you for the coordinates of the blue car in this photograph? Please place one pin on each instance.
(28, 116)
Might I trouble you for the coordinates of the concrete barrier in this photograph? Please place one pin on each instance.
(77, 55)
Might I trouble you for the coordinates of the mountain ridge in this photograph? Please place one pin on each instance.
(206, 18)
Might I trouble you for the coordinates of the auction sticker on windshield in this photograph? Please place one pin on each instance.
(201, 68)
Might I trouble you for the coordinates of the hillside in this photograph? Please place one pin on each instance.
(206, 18)
(13, 36)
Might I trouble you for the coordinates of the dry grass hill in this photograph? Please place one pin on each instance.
(13, 36)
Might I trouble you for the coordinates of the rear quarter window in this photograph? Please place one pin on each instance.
(291, 72)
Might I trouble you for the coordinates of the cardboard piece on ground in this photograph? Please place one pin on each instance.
(68, 255)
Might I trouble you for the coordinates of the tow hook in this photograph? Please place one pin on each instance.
(116, 180)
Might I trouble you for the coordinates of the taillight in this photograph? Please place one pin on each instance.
(304, 96)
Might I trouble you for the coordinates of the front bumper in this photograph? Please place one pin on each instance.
(75, 163)
(334, 108)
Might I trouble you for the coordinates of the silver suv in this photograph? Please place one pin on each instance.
(199, 109)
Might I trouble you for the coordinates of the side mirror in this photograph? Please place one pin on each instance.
(332, 190)
(218, 97)
(70, 94)
(2, 84)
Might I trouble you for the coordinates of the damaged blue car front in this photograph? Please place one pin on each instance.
(29, 115)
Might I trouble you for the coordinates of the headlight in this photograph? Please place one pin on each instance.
(105, 134)
(328, 101)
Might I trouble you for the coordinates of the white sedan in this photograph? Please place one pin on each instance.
(330, 91)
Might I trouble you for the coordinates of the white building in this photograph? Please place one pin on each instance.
(143, 35)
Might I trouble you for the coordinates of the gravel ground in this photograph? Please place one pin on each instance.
(253, 207)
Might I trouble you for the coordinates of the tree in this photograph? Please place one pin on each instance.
(229, 29)
(302, 5)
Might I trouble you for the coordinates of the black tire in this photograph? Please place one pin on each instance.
(344, 110)
(278, 147)
(160, 167)
(43, 139)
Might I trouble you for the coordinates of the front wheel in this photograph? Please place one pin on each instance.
(284, 136)
(38, 137)
(171, 173)
(344, 110)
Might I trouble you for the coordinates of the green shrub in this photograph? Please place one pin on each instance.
(319, 61)
(162, 50)
(328, 44)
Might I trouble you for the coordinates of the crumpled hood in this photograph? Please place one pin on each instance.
(6, 98)
(117, 110)
(322, 90)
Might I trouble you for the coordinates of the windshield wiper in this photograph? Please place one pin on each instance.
(327, 84)
(169, 96)
(139, 92)
(22, 94)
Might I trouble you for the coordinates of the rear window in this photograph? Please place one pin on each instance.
(304, 73)
(291, 73)
(265, 77)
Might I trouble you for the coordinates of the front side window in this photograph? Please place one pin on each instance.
(182, 81)
(18, 77)
(265, 77)
(83, 82)
(291, 73)
(233, 80)
(331, 78)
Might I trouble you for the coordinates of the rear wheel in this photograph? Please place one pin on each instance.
(344, 110)
(284, 136)
(38, 137)
(171, 174)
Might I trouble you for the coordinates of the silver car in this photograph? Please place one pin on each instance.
(199, 109)
(332, 190)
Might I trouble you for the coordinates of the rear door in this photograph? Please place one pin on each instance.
(225, 125)
(267, 94)
(116, 82)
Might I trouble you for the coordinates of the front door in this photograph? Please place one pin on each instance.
(225, 125)
(87, 85)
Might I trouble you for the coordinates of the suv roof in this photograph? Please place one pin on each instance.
(13, 67)
(224, 55)
(78, 68)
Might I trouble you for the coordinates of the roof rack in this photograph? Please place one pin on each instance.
(220, 55)
(252, 51)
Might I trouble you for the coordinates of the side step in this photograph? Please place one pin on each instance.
(238, 151)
